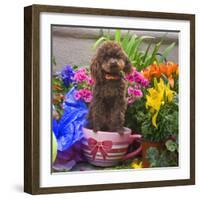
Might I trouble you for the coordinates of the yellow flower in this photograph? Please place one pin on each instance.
(169, 93)
(136, 165)
(156, 97)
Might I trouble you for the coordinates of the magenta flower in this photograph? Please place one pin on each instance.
(84, 94)
(130, 90)
(130, 77)
(130, 100)
(137, 93)
(80, 75)
(136, 77)
(90, 81)
(77, 95)
(144, 82)
(134, 93)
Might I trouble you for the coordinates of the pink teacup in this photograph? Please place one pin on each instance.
(108, 148)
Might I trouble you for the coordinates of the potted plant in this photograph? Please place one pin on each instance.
(158, 117)
(165, 157)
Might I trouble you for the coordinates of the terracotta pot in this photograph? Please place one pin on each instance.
(145, 145)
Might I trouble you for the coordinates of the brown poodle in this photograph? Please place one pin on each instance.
(108, 107)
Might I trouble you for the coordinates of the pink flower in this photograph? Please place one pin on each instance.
(90, 81)
(137, 93)
(130, 90)
(88, 99)
(144, 82)
(130, 77)
(84, 94)
(137, 86)
(80, 75)
(137, 77)
(130, 100)
(77, 95)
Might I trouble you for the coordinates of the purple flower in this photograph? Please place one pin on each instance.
(67, 75)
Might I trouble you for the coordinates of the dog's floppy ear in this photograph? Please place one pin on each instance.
(128, 66)
(96, 71)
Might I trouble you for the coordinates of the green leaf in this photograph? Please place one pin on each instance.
(125, 40)
(130, 44)
(99, 41)
(171, 145)
(137, 44)
(167, 51)
(54, 147)
(118, 35)
(155, 51)
(147, 50)
(155, 82)
(156, 48)
(152, 156)
(147, 61)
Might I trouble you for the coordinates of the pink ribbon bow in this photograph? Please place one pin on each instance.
(104, 147)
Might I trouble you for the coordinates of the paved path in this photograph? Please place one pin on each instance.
(74, 45)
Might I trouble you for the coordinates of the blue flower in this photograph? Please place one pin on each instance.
(67, 75)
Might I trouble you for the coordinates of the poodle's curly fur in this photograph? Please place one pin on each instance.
(108, 107)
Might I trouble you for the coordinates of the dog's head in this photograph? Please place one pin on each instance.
(109, 59)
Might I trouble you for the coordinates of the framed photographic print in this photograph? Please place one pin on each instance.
(109, 99)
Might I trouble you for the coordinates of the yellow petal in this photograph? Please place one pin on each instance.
(154, 119)
(169, 93)
(136, 165)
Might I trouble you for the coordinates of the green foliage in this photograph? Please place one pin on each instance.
(131, 43)
(126, 164)
(140, 120)
(58, 92)
(166, 52)
(171, 145)
(162, 158)
(133, 113)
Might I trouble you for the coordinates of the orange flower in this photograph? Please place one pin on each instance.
(171, 68)
(171, 81)
(146, 73)
(163, 68)
(157, 70)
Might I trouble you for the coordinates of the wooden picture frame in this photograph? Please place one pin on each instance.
(32, 174)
